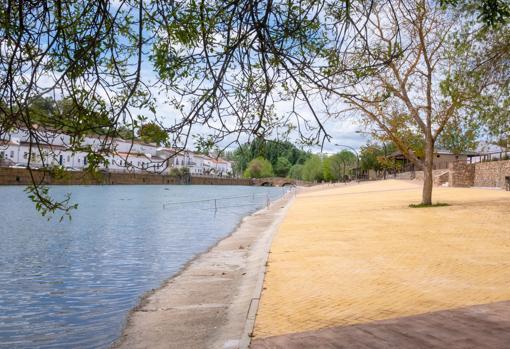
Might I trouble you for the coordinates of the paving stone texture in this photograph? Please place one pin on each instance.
(474, 327)
(357, 255)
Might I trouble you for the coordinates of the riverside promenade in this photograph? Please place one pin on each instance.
(356, 267)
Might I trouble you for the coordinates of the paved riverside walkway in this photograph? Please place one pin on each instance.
(355, 267)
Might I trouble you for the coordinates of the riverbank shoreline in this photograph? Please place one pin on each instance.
(21, 176)
(208, 303)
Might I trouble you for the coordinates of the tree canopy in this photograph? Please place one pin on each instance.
(313, 169)
(418, 97)
(227, 66)
(258, 168)
(282, 167)
(281, 155)
(153, 133)
(339, 166)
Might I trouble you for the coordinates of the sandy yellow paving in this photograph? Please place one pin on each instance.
(356, 254)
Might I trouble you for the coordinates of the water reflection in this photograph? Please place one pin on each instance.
(71, 284)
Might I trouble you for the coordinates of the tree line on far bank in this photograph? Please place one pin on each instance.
(266, 158)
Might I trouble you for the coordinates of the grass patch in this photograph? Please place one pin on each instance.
(437, 204)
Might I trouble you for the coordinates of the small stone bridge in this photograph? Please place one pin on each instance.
(278, 182)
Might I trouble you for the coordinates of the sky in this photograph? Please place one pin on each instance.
(341, 131)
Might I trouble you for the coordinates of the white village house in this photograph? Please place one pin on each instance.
(128, 156)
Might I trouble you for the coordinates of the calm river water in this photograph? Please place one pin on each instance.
(72, 284)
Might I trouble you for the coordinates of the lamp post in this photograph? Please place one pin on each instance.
(357, 157)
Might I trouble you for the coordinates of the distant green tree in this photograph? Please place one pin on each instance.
(269, 149)
(312, 169)
(259, 168)
(369, 158)
(338, 166)
(296, 171)
(42, 109)
(153, 133)
(327, 170)
(276, 149)
(69, 115)
(78, 117)
(125, 132)
(282, 167)
(241, 157)
(375, 157)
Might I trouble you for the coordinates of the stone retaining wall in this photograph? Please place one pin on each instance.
(481, 174)
(19, 176)
(461, 174)
(491, 174)
(220, 181)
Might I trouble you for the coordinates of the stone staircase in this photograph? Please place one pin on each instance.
(441, 177)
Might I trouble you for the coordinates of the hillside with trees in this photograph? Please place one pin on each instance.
(266, 158)
(282, 156)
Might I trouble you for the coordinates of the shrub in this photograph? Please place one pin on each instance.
(296, 172)
(312, 169)
(258, 168)
(179, 172)
(282, 166)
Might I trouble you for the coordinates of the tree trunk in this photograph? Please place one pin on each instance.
(427, 173)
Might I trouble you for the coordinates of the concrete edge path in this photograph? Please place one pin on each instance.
(212, 303)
